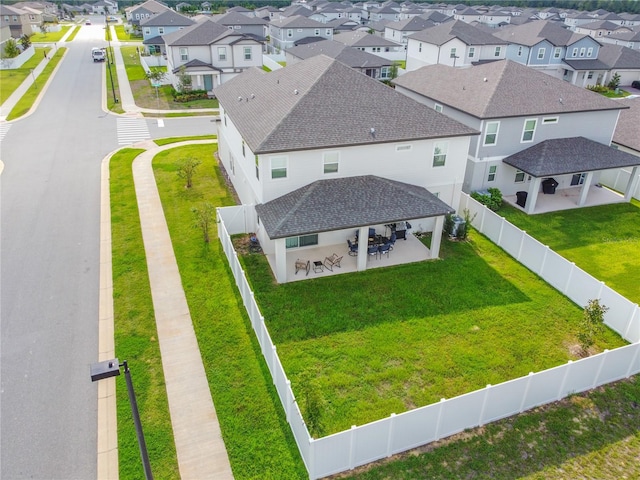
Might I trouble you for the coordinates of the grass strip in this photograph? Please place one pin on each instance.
(123, 36)
(258, 440)
(73, 34)
(167, 141)
(135, 334)
(28, 99)
(592, 435)
(113, 88)
(13, 78)
(602, 240)
(49, 37)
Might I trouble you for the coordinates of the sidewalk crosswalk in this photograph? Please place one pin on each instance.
(132, 130)
(4, 128)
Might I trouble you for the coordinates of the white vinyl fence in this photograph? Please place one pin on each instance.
(618, 180)
(397, 433)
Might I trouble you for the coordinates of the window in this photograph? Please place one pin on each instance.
(137, 16)
(440, 153)
(497, 52)
(289, 33)
(574, 52)
(317, 32)
(519, 176)
(330, 162)
(472, 52)
(375, 49)
(243, 152)
(578, 179)
(301, 241)
(549, 120)
(160, 30)
(232, 164)
(6, 18)
(225, 119)
(541, 52)
(257, 167)
(184, 54)
(590, 75)
(582, 51)
(147, 31)
(528, 130)
(278, 167)
(556, 52)
(222, 53)
(385, 72)
(519, 51)
(420, 47)
(148, 15)
(403, 148)
(492, 173)
(590, 52)
(491, 133)
(437, 107)
(328, 32)
(247, 53)
(237, 27)
(452, 53)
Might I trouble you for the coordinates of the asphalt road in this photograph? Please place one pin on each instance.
(49, 269)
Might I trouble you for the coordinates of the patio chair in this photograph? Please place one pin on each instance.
(353, 248)
(373, 250)
(332, 261)
(382, 249)
(392, 240)
(303, 265)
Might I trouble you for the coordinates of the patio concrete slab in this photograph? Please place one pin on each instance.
(567, 199)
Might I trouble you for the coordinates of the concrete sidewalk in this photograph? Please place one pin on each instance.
(199, 446)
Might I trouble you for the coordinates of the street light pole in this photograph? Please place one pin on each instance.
(110, 56)
(111, 368)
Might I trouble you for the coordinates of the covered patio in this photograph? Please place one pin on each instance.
(570, 164)
(332, 211)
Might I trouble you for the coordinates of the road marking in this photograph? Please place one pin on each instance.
(160, 123)
(132, 130)
(4, 128)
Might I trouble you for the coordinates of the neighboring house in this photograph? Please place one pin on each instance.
(626, 136)
(622, 61)
(16, 19)
(285, 32)
(468, 15)
(154, 27)
(371, 65)
(210, 54)
(601, 28)
(496, 18)
(400, 30)
(321, 151)
(561, 131)
(342, 25)
(453, 43)
(137, 13)
(626, 39)
(384, 13)
(48, 9)
(557, 51)
(240, 23)
(372, 44)
(267, 13)
(244, 11)
(105, 7)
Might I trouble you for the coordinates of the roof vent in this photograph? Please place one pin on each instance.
(484, 79)
(253, 95)
(295, 92)
(373, 132)
(239, 99)
(560, 100)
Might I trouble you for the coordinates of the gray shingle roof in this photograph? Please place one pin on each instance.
(628, 127)
(413, 24)
(563, 156)
(586, 64)
(363, 39)
(502, 89)
(319, 103)
(535, 32)
(348, 55)
(351, 202)
(619, 57)
(204, 32)
(237, 18)
(445, 32)
(168, 18)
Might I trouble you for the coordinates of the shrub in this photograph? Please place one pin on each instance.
(592, 323)
(189, 96)
(493, 200)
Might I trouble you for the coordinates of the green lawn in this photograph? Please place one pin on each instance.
(76, 30)
(124, 36)
(603, 240)
(12, 79)
(26, 102)
(50, 36)
(389, 340)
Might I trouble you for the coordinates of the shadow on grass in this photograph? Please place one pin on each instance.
(324, 306)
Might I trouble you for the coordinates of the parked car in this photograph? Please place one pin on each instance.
(636, 84)
(88, 22)
(98, 54)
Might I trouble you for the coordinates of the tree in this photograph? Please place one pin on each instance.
(187, 168)
(44, 28)
(592, 323)
(184, 80)
(614, 82)
(25, 41)
(156, 76)
(11, 49)
(204, 219)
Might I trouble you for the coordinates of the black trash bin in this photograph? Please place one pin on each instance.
(549, 186)
(521, 198)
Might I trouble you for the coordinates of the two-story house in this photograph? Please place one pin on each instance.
(400, 30)
(163, 23)
(374, 44)
(137, 13)
(285, 32)
(210, 54)
(16, 19)
(557, 51)
(240, 23)
(456, 43)
(533, 128)
(321, 150)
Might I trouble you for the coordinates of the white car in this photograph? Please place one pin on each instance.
(98, 54)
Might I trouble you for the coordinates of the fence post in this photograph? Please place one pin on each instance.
(634, 312)
(272, 361)
(602, 284)
(484, 404)
(633, 362)
(564, 379)
(352, 447)
(524, 234)
(392, 418)
(566, 285)
(484, 211)
(544, 260)
(500, 233)
(597, 375)
(438, 421)
(526, 392)
(312, 459)
(289, 402)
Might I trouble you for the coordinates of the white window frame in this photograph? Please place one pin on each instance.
(493, 170)
(278, 167)
(328, 32)
(574, 52)
(147, 30)
(519, 174)
(472, 52)
(557, 52)
(452, 52)
(160, 30)
(330, 162)
(549, 120)
(289, 33)
(184, 54)
(317, 32)
(541, 52)
(419, 46)
(295, 242)
(485, 143)
(520, 51)
(385, 72)
(440, 150)
(246, 51)
(590, 52)
(532, 130)
(583, 51)
(497, 52)
(222, 54)
(437, 107)
(403, 148)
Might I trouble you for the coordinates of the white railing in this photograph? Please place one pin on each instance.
(397, 433)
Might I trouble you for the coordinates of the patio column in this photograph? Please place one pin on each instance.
(585, 189)
(532, 195)
(363, 243)
(281, 260)
(631, 186)
(436, 238)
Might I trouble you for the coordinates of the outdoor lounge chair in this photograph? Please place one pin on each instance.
(332, 261)
(382, 249)
(373, 250)
(303, 265)
(353, 248)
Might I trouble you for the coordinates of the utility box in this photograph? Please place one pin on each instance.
(458, 223)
